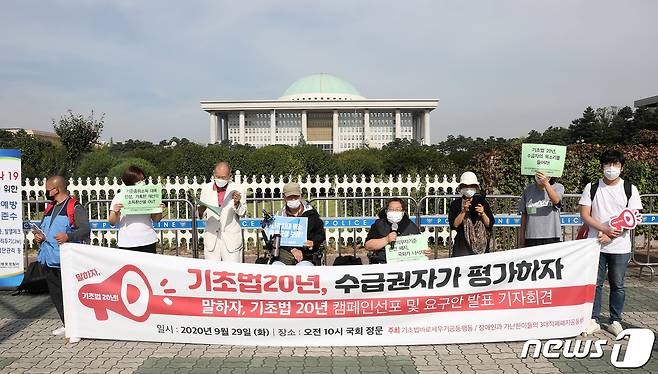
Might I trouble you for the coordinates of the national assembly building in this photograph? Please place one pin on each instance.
(323, 111)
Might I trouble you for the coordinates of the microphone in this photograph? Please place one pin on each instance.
(277, 245)
(394, 228)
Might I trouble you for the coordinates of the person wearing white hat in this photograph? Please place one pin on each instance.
(471, 216)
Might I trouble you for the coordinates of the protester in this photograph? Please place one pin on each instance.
(295, 206)
(608, 198)
(382, 233)
(539, 207)
(222, 238)
(471, 216)
(135, 230)
(65, 220)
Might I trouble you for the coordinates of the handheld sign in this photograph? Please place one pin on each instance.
(546, 158)
(143, 199)
(407, 248)
(291, 229)
(627, 219)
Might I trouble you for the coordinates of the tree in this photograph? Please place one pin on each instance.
(40, 158)
(149, 169)
(96, 164)
(584, 129)
(78, 134)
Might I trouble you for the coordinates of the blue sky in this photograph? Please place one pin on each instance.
(499, 68)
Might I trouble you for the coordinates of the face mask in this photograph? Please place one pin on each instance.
(468, 192)
(221, 183)
(293, 204)
(394, 216)
(48, 197)
(611, 173)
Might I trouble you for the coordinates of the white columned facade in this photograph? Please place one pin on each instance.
(366, 127)
(225, 133)
(426, 127)
(241, 123)
(304, 126)
(273, 127)
(334, 133)
(213, 127)
(398, 124)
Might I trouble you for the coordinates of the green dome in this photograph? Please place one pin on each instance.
(321, 87)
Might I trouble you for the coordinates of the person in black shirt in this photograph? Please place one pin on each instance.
(295, 206)
(472, 218)
(381, 232)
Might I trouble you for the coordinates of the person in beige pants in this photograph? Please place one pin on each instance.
(222, 238)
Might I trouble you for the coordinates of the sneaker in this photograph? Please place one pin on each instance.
(591, 328)
(74, 340)
(59, 332)
(615, 328)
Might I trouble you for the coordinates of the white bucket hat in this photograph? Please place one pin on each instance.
(468, 177)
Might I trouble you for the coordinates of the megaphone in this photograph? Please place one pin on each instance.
(126, 292)
(627, 219)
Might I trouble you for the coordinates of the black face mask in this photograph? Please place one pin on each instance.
(48, 197)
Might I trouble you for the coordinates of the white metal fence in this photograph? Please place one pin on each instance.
(335, 196)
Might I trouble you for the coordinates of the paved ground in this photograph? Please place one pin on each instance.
(26, 345)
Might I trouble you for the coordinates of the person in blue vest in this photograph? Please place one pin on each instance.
(65, 220)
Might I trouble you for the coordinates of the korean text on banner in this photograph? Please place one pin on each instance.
(546, 158)
(11, 219)
(533, 293)
(141, 199)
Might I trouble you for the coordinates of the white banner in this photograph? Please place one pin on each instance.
(531, 293)
(11, 219)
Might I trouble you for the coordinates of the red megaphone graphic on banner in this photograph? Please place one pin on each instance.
(126, 292)
(627, 219)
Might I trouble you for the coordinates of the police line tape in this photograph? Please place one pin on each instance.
(501, 220)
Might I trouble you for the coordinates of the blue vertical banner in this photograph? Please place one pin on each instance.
(11, 219)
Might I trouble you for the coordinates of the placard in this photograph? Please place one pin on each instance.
(407, 248)
(546, 158)
(141, 199)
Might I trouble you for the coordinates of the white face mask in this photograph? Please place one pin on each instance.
(468, 192)
(293, 204)
(394, 216)
(611, 173)
(221, 183)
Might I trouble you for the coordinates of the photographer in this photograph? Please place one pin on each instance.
(472, 218)
(295, 206)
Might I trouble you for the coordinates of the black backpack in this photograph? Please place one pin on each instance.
(34, 280)
(628, 190)
(347, 259)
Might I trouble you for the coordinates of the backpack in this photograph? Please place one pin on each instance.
(583, 232)
(347, 259)
(34, 280)
(70, 210)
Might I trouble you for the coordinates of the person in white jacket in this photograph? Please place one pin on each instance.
(222, 238)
